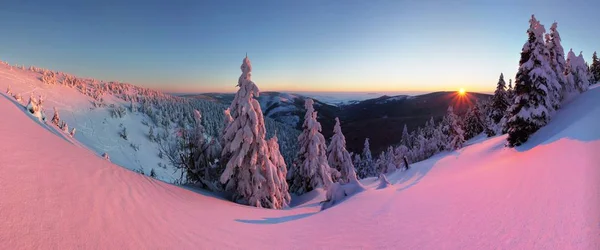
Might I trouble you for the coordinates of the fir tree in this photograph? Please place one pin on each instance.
(510, 91)
(281, 196)
(456, 137)
(390, 161)
(498, 108)
(249, 172)
(405, 140)
(55, 118)
(577, 74)
(556, 56)
(311, 169)
(338, 157)
(473, 122)
(595, 69)
(380, 164)
(357, 162)
(366, 168)
(532, 105)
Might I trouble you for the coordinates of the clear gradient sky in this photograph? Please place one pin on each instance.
(294, 45)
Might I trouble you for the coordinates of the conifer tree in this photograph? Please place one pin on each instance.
(456, 137)
(380, 164)
(281, 196)
(55, 118)
(390, 161)
(338, 157)
(311, 169)
(556, 56)
(249, 172)
(532, 104)
(595, 69)
(367, 167)
(510, 92)
(473, 122)
(498, 108)
(405, 140)
(357, 161)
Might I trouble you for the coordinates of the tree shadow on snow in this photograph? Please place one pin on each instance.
(35, 119)
(277, 220)
(570, 122)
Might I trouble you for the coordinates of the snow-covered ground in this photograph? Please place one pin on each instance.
(95, 128)
(57, 194)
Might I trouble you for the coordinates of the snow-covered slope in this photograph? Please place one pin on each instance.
(95, 127)
(98, 129)
(55, 194)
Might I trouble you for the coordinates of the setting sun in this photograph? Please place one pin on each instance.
(462, 91)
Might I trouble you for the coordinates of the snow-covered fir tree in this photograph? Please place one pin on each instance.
(405, 140)
(367, 166)
(65, 127)
(380, 163)
(55, 118)
(390, 161)
(497, 109)
(595, 69)
(510, 91)
(474, 125)
(577, 74)
(532, 106)
(9, 90)
(356, 161)
(35, 107)
(337, 155)
(281, 196)
(249, 172)
(556, 55)
(311, 169)
(456, 137)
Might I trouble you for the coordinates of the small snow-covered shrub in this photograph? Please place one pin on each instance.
(34, 106)
(18, 97)
(105, 156)
(337, 192)
(135, 147)
(9, 90)
(72, 132)
(65, 127)
(383, 182)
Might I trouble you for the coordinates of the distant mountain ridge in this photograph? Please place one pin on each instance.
(381, 119)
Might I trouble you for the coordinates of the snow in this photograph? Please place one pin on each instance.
(96, 129)
(57, 194)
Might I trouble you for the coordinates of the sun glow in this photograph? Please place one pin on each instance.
(462, 91)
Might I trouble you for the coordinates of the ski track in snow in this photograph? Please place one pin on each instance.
(543, 195)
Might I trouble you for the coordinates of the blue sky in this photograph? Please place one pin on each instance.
(294, 45)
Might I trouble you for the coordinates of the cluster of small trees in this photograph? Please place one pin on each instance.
(448, 134)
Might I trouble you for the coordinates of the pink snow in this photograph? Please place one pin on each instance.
(55, 194)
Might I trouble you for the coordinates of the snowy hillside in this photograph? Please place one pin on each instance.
(545, 194)
(106, 121)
